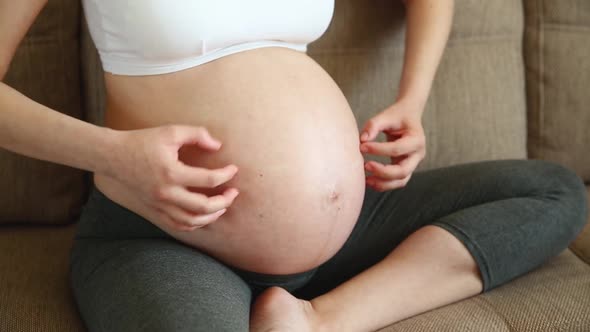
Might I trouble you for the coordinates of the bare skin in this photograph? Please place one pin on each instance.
(400, 286)
(288, 128)
(403, 284)
(37, 131)
(357, 305)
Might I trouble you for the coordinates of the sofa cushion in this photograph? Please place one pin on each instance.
(35, 293)
(46, 69)
(477, 107)
(34, 289)
(555, 297)
(557, 49)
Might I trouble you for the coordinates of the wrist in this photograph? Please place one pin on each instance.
(109, 151)
(414, 96)
(412, 104)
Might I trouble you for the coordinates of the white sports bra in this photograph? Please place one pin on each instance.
(148, 37)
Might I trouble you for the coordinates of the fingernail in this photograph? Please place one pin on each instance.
(230, 169)
(215, 142)
(364, 136)
(364, 148)
(369, 167)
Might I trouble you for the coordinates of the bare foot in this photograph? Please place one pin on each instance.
(276, 310)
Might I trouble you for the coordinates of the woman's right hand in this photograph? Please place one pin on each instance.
(148, 165)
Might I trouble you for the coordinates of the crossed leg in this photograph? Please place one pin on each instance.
(451, 233)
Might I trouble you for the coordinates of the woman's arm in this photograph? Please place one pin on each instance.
(31, 129)
(428, 27)
(34, 130)
(143, 162)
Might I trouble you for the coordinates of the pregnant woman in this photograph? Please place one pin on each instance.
(230, 191)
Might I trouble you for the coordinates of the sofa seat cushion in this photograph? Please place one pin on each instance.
(34, 287)
(555, 297)
(35, 293)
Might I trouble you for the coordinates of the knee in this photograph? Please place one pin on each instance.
(563, 186)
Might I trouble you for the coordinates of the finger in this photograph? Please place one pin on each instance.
(386, 172)
(198, 203)
(191, 176)
(185, 221)
(394, 171)
(371, 129)
(411, 162)
(195, 135)
(399, 147)
(189, 227)
(383, 185)
(165, 217)
(380, 122)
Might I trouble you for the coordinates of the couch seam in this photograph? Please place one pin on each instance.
(541, 90)
(566, 27)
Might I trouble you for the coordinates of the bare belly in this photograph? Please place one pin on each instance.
(287, 126)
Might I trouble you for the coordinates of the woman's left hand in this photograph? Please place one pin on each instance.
(406, 144)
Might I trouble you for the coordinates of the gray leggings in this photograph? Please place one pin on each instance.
(512, 215)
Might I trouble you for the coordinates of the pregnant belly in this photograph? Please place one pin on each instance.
(287, 126)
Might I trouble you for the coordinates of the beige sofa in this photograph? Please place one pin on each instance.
(513, 84)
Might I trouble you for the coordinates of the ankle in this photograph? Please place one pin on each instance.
(323, 316)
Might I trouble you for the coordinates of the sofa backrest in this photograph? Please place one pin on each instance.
(478, 108)
(557, 54)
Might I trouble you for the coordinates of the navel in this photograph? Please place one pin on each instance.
(334, 196)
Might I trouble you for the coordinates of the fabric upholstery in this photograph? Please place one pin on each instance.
(34, 288)
(555, 297)
(557, 52)
(477, 107)
(476, 111)
(34, 293)
(46, 69)
(581, 245)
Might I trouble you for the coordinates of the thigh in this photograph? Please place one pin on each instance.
(388, 218)
(155, 285)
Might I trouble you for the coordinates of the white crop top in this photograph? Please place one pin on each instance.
(147, 37)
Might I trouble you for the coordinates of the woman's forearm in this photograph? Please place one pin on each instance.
(31, 129)
(428, 27)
